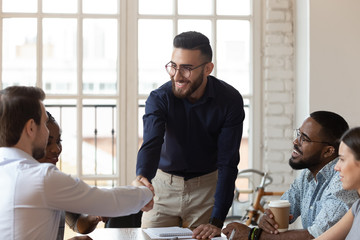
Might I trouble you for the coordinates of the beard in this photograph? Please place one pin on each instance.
(184, 93)
(38, 153)
(303, 163)
(307, 162)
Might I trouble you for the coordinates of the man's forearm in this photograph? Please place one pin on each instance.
(288, 235)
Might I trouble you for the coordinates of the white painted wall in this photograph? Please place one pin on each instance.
(334, 57)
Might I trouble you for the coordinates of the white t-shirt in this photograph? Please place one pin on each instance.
(33, 195)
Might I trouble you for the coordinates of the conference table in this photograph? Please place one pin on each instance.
(121, 234)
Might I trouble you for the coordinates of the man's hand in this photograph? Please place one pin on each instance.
(205, 231)
(148, 206)
(267, 222)
(143, 181)
(87, 223)
(241, 231)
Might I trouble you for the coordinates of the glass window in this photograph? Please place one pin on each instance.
(59, 56)
(100, 55)
(203, 26)
(198, 7)
(233, 49)
(164, 7)
(19, 5)
(98, 145)
(82, 57)
(155, 48)
(233, 7)
(96, 6)
(19, 51)
(59, 6)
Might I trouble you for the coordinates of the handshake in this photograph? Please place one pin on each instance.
(143, 181)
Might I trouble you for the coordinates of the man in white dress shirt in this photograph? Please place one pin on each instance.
(33, 194)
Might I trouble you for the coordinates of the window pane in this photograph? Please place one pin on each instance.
(164, 7)
(233, 49)
(96, 6)
(100, 56)
(155, 49)
(59, 56)
(198, 7)
(203, 26)
(19, 52)
(99, 137)
(60, 6)
(19, 5)
(64, 112)
(233, 7)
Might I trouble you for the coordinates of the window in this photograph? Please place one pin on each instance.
(99, 60)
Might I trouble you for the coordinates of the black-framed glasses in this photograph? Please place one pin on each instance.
(301, 138)
(184, 71)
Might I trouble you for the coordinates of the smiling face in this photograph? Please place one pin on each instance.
(54, 147)
(307, 154)
(194, 86)
(349, 168)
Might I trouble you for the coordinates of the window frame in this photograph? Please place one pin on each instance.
(127, 97)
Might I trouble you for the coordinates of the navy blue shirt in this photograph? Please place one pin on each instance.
(193, 139)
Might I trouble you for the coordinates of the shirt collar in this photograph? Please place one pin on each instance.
(326, 172)
(208, 94)
(13, 154)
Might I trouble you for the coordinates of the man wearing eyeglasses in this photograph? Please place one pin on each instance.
(192, 133)
(316, 194)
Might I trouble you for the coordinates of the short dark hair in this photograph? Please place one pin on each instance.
(194, 41)
(51, 119)
(333, 126)
(352, 139)
(18, 104)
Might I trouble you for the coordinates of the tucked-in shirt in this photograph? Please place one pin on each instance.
(34, 194)
(320, 202)
(192, 139)
(354, 232)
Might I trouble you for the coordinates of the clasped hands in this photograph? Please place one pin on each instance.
(143, 181)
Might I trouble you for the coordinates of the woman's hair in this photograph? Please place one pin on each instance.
(352, 139)
(51, 119)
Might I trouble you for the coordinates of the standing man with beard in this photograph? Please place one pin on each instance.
(192, 133)
(316, 194)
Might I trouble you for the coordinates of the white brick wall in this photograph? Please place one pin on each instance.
(278, 87)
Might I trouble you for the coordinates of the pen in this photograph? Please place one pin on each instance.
(232, 234)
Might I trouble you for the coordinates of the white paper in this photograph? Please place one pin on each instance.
(168, 233)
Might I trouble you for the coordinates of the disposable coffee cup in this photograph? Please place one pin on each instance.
(281, 212)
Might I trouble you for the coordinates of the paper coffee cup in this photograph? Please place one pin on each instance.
(281, 212)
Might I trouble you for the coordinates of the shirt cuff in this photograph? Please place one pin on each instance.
(315, 231)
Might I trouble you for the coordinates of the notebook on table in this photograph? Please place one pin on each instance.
(168, 232)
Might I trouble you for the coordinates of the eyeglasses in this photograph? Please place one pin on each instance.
(301, 138)
(184, 71)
